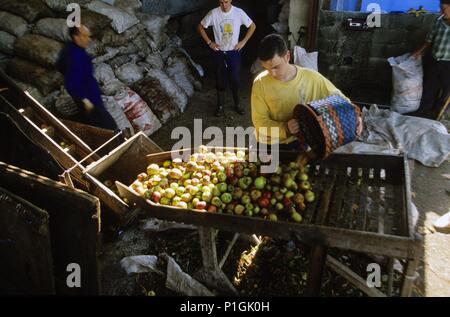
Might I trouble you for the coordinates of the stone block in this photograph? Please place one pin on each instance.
(388, 36)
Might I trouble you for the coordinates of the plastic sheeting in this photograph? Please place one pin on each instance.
(176, 279)
(424, 140)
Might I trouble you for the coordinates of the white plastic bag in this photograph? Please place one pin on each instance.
(304, 59)
(179, 97)
(117, 113)
(121, 20)
(155, 25)
(13, 24)
(7, 43)
(137, 111)
(53, 28)
(103, 73)
(407, 78)
(179, 72)
(129, 73)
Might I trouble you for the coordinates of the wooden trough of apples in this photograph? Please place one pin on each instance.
(362, 203)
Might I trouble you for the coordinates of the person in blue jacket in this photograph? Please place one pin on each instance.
(76, 66)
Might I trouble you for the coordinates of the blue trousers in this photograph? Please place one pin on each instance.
(228, 66)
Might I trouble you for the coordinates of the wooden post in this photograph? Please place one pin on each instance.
(319, 250)
(211, 274)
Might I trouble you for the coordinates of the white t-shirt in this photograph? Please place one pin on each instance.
(226, 26)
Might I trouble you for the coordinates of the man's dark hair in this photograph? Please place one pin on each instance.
(445, 1)
(270, 46)
(74, 30)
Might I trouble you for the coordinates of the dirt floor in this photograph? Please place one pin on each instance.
(252, 268)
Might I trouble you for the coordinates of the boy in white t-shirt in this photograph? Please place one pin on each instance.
(226, 21)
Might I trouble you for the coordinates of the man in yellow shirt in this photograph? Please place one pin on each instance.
(277, 91)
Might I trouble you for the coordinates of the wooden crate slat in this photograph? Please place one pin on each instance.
(338, 197)
(345, 218)
(318, 187)
(361, 217)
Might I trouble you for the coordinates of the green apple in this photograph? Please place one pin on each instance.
(176, 200)
(165, 201)
(226, 198)
(303, 177)
(175, 173)
(222, 187)
(245, 199)
(186, 197)
(207, 196)
(260, 182)
(216, 202)
(309, 196)
(239, 209)
(169, 193)
(222, 177)
(289, 194)
(152, 169)
(278, 196)
(182, 204)
(296, 217)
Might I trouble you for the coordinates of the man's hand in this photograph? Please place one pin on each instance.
(239, 46)
(88, 106)
(293, 126)
(214, 46)
(359, 127)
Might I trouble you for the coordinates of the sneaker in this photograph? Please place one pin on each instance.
(239, 109)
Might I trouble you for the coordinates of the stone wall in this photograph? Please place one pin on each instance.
(355, 60)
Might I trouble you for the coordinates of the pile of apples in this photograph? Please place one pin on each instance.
(227, 183)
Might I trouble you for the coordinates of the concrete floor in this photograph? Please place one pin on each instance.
(430, 190)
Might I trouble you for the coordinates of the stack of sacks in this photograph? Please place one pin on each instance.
(136, 60)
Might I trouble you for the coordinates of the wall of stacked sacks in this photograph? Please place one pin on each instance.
(145, 75)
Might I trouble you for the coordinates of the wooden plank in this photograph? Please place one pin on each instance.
(361, 217)
(373, 202)
(346, 216)
(24, 99)
(338, 198)
(359, 241)
(92, 136)
(41, 139)
(74, 225)
(317, 184)
(26, 266)
(319, 250)
(380, 195)
(352, 277)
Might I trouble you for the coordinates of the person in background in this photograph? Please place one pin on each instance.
(226, 21)
(436, 85)
(76, 66)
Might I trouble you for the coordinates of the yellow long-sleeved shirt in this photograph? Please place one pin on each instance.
(273, 101)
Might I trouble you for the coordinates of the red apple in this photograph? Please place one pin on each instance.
(264, 202)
